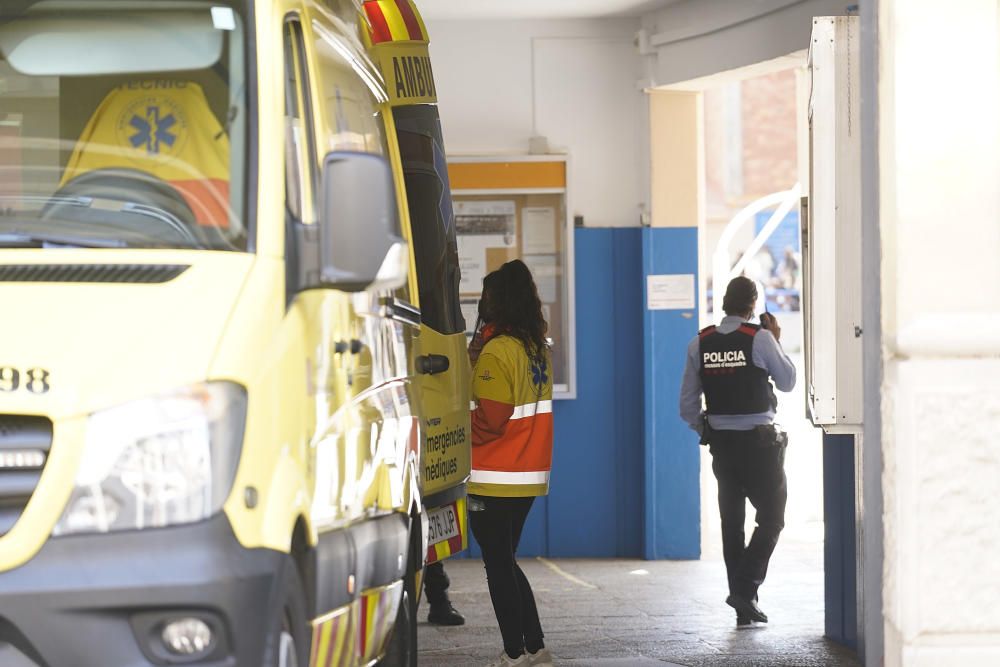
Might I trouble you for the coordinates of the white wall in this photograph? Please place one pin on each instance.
(574, 82)
(940, 221)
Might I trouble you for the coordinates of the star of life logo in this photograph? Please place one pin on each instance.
(153, 125)
(539, 372)
(153, 130)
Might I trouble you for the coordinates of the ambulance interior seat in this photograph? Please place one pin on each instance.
(139, 187)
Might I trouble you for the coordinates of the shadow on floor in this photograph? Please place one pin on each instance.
(631, 612)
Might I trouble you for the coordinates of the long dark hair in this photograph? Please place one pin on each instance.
(511, 305)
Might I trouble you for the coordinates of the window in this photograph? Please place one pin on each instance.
(298, 140)
(431, 217)
(521, 215)
(350, 98)
(131, 125)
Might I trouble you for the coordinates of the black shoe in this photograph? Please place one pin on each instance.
(746, 607)
(744, 622)
(444, 614)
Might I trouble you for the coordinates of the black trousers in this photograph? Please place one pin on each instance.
(436, 583)
(746, 469)
(497, 528)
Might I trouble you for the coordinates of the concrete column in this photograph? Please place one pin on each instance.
(672, 503)
(939, 142)
(677, 158)
(869, 500)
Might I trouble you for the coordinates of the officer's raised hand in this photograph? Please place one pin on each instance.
(770, 322)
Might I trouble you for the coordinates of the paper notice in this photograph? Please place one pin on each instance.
(501, 208)
(670, 291)
(486, 237)
(538, 230)
(470, 311)
(545, 269)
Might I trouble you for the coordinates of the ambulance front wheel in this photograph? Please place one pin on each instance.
(402, 650)
(288, 639)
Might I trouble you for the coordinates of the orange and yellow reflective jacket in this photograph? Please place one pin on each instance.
(511, 421)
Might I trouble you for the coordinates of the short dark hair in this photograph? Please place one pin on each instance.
(741, 293)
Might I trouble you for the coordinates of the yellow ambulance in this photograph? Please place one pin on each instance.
(233, 385)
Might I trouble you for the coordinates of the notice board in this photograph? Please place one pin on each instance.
(516, 208)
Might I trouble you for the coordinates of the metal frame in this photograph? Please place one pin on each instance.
(832, 230)
(559, 391)
(784, 201)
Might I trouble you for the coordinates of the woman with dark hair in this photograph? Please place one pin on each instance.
(511, 448)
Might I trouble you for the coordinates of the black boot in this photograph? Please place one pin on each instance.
(443, 613)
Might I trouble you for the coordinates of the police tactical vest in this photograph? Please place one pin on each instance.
(731, 382)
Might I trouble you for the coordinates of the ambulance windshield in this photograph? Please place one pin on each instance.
(122, 125)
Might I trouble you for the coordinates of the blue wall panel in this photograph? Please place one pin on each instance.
(596, 471)
(594, 507)
(581, 500)
(840, 545)
(625, 469)
(629, 379)
(672, 460)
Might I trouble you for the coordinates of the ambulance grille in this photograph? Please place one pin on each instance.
(24, 449)
(90, 273)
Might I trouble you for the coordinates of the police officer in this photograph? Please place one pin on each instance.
(733, 365)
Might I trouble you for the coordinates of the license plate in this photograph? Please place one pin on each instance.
(442, 524)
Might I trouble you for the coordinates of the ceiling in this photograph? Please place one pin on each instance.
(536, 9)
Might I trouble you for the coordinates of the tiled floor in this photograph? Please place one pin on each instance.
(629, 612)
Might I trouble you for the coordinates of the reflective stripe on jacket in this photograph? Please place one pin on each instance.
(511, 421)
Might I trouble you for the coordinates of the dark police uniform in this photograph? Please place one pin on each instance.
(748, 453)
(732, 384)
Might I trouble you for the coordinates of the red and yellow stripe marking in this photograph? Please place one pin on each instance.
(395, 21)
(395, 33)
(452, 545)
(333, 642)
(379, 608)
(357, 633)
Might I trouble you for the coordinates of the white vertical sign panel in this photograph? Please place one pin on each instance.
(670, 292)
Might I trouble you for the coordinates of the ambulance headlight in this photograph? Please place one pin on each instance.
(160, 461)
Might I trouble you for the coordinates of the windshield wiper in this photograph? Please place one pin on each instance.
(38, 240)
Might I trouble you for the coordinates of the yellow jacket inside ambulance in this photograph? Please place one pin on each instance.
(166, 129)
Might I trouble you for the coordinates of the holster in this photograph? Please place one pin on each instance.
(706, 431)
(771, 436)
(759, 436)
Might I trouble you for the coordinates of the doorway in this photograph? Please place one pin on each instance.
(752, 137)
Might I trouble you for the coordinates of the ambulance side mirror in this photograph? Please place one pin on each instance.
(357, 244)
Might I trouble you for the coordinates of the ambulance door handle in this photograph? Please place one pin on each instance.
(342, 346)
(432, 364)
